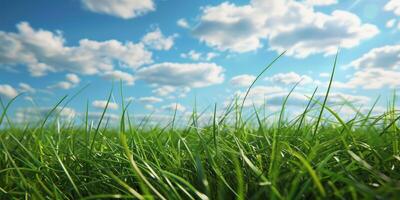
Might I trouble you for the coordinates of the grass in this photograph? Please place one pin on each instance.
(314, 155)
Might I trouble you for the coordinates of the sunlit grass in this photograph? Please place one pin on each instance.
(307, 157)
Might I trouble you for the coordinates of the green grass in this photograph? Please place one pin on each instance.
(239, 155)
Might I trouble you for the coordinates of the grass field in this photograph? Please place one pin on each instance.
(235, 156)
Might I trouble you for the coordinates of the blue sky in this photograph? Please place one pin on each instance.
(170, 52)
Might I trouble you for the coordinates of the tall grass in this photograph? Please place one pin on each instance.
(311, 156)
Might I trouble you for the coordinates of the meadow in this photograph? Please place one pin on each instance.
(238, 154)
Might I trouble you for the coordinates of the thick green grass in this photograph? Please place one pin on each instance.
(317, 154)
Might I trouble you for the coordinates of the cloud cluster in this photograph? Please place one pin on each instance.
(393, 6)
(150, 100)
(158, 41)
(288, 25)
(101, 104)
(8, 91)
(125, 9)
(290, 78)
(377, 68)
(71, 81)
(243, 80)
(174, 106)
(386, 57)
(117, 75)
(43, 51)
(275, 95)
(196, 56)
(193, 75)
(320, 2)
(32, 114)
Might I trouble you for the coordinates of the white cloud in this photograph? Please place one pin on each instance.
(171, 92)
(394, 6)
(193, 75)
(320, 2)
(182, 23)
(258, 94)
(72, 80)
(164, 90)
(174, 106)
(290, 78)
(374, 78)
(158, 41)
(192, 54)
(150, 100)
(24, 87)
(125, 9)
(32, 114)
(196, 56)
(288, 25)
(8, 91)
(377, 68)
(149, 107)
(324, 75)
(391, 23)
(128, 78)
(340, 97)
(65, 85)
(386, 57)
(100, 104)
(274, 96)
(94, 116)
(243, 80)
(43, 51)
(211, 55)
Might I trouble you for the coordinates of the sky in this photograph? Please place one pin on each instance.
(180, 54)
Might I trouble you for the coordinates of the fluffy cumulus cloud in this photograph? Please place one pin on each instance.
(320, 2)
(174, 106)
(193, 75)
(196, 56)
(374, 78)
(377, 68)
(288, 25)
(44, 51)
(73, 78)
(125, 9)
(386, 57)
(243, 80)
(158, 41)
(100, 104)
(290, 78)
(71, 81)
(117, 75)
(150, 100)
(164, 90)
(8, 91)
(393, 6)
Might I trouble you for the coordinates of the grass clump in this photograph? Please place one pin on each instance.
(311, 156)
